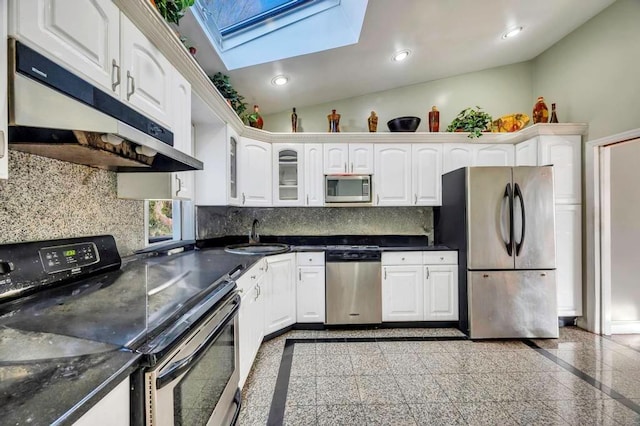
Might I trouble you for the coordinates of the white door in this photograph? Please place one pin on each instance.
(426, 168)
(288, 182)
(493, 155)
(455, 156)
(569, 259)
(254, 173)
(310, 295)
(360, 158)
(232, 165)
(4, 144)
(392, 177)
(441, 293)
(402, 293)
(527, 153)
(83, 36)
(336, 157)
(147, 76)
(565, 154)
(313, 175)
(183, 135)
(280, 293)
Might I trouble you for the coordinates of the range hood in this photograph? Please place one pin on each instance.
(53, 113)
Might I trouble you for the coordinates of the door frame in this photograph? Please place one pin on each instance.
(597, 295)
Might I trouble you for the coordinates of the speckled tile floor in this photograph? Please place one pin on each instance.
(367, 377)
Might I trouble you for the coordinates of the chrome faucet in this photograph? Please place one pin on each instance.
(254, 237)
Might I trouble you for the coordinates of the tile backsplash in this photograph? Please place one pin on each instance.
(216, 221)
(46, 199)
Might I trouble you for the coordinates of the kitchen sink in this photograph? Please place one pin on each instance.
(257, 248)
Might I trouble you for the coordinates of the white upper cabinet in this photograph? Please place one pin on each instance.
(493, 155)
(288, 182)
(146, 75)
(527, 153)
(565, 154)
(361, 158)
(254, 173)
(427, 171)
(84, 36)
(472, 154)
(313, 176)
(392, 175)
(4, 145)
(354, 158)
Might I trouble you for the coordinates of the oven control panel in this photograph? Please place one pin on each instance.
(68, 257)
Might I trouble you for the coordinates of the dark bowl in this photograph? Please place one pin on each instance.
(404, 124)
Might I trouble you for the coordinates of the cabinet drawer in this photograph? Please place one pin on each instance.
(440, 258)
(250, 277)
(310, 258)
(402, 258)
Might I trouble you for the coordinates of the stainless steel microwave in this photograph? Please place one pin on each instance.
(347, 189)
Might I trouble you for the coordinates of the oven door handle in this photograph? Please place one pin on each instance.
(178, 367)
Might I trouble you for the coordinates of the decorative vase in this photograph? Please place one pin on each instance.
(540, 111)
(294, 121)
(434, 119)
(554, 117)
(334, 122)
(255, 119)
(372, 122)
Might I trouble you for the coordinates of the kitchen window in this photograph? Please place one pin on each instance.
(167, 220)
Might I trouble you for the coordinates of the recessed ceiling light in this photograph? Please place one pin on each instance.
(512, 32)
(401, 55)
(280, 80)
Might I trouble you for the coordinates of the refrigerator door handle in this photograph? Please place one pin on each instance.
(518, 193)
(509, 194)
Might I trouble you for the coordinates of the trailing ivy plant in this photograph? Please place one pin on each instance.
(227, 91)
(471, 120)
(173, 10)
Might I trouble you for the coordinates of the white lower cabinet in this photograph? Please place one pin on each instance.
(420, 286)
(402, 293)
(280, 293)
(113, 409)
(310, 291)
(569, 259)
(441, 293)
(250, 317)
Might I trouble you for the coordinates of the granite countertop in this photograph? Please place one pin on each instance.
(56, 386)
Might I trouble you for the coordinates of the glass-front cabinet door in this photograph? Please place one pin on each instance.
(288, 187)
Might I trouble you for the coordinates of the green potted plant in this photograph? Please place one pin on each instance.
(173, 10)
(235, 100)
(471, 120)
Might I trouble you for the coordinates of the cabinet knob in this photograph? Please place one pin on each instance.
(403, 258)
(253, 277)
(441, 258)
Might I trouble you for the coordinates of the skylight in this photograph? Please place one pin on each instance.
(250, 32)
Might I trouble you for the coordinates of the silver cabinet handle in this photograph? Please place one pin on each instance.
(428, 274)
(257, 293)
(307, 199)
(351, 167)
(415, 198)
(179, 185)
(300, 275)
(345, 167)
(243, 198)
(259, 290)
(133, 85)
(2, 153)
(378, 199)
(115, 72)
(266, 266)
(253, 277)
(385, 273)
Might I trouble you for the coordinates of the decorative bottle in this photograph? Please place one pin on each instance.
(434, 119)
(294, 121)
(255, 119)
(334, 122)
(540, 111)
(372, 122)
(554, 117)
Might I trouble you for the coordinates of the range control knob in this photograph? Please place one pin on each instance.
(6, 267)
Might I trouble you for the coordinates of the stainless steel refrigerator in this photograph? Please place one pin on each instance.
(502, 221)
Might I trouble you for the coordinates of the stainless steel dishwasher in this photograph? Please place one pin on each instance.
(353, 285)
